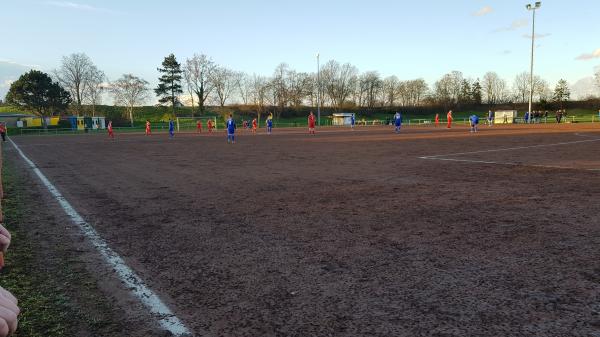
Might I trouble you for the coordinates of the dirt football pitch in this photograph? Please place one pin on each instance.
(430, 232)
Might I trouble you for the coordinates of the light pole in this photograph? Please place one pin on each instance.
(318, 91)
(533, 8)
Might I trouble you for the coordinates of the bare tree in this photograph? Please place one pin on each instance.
(339, 82)
(542, 90)
(418, 89)
(225, 82)
(260, 93)
(443, 91)
(521, 87)
(522, 84)
(279, 86)
(189, 84)
(200, 69)
(244, 87)
(130, 91)
(74, 74)
(96, 85)
(448, 89)
(403, 94)
(494, 88)
(391, 89)
(370, 86)
(298, 86)
(311, 89)
(456, 85)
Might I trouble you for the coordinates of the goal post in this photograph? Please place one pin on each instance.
(189, 123)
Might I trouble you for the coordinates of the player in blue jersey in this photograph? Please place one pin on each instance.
(270, 123)
(474, 121)
(352, 121)
(230, 130)
(398, 121)
(171, 128)
(490, 118)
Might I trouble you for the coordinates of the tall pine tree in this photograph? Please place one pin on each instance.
(476, 93)
(561, 93)
(169, 85)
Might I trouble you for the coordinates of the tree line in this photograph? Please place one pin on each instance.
(199, 82)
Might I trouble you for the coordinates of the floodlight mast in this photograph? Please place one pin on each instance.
(533, 8)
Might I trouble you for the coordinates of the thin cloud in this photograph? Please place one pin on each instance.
(537, 36)
(514, 25)
(593, 55)
(6, 83)
(78, 6)
(11, 62)
(506, 52)
(484, 11)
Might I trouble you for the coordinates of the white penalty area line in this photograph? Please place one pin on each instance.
(165, 316)
(442, 156)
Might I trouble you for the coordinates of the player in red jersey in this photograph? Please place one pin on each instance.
(111, 134)
(311, 123)
(449, 117)
(254, 125)
(148, 128)
(199, 126)
(209, 125)
(437, 120)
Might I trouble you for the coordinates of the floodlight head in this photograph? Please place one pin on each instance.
(538, 4)
(528, 6)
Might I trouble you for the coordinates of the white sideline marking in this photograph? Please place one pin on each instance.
(510, 148)
(440, 156)
(586, 136)
(166, 318)
(509, 163)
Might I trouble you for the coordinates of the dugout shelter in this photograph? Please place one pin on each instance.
(505, 116)
(341, 119)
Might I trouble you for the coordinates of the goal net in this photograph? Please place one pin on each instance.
(191, 123)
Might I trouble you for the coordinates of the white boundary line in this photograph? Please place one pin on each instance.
(510, 164)
(165, 316)
(510, 148)
(440, 156)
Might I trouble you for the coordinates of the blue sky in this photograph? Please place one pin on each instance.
(410, 39)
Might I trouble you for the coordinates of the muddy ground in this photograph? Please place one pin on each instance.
(349, 233)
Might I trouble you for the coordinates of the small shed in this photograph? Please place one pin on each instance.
(98, 123)
(505, 116)
(77, 123)
(341, 119)
(90, 123)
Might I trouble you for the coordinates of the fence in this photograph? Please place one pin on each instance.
(419, 122)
